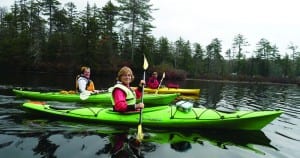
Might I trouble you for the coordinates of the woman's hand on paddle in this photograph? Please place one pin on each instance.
(139, 106)
(142, 82)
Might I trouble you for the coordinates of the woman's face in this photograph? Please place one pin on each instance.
(87, 73)
(126, 78)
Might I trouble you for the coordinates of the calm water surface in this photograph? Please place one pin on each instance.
(25, 134)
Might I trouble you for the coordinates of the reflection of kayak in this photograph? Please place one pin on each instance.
(182, 140)
(104, 98)
(182, 91)
(220, 138)
(242, 137)
(166, 116)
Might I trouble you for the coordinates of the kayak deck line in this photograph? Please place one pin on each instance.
(220, 114)
(55, 108)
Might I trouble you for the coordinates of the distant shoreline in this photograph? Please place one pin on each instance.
(244, 82)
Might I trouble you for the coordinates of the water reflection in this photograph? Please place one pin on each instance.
(25, 135)
(249, 96)
(45, 147)
(212, 94)
(121, 142)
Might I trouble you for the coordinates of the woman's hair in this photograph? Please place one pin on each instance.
(83, 68)
(125, 70)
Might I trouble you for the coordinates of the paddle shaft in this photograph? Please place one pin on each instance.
(162, 78)
(142, 98)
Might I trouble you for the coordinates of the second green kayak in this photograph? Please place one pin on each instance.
(103, 98)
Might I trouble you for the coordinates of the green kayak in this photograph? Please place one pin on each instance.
(164, 116)
(103, 98)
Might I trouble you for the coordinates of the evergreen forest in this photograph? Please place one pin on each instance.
(45, 35)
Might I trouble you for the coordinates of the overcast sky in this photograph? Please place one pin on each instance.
(203, 20)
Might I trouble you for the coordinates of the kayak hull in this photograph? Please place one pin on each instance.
(166, 117)
(103, 98)
(166, 90)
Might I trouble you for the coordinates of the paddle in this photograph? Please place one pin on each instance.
(86, 94)
(162, 78)
(140, 134)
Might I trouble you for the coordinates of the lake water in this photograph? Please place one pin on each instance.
(24, 134)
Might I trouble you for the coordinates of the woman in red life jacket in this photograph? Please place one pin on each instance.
(123, 96)
(153, 83)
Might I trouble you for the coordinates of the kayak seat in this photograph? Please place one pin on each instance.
(111, 110)
(60, 107)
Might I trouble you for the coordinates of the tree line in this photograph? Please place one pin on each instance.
(44, 35)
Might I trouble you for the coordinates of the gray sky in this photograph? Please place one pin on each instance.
(203, 20)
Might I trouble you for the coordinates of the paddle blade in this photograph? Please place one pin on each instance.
(140, 134)
(145, 66)
(84, 95)
(163, 76)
